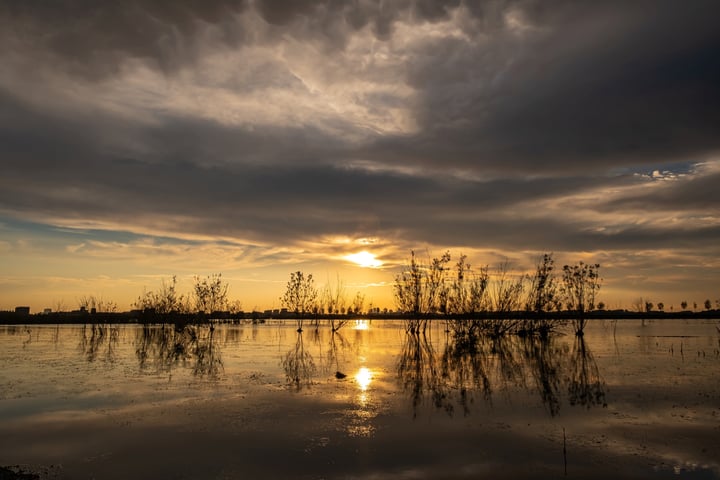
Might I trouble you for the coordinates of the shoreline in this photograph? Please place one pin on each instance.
(80, 317)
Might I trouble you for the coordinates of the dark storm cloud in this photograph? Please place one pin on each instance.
(91, 38)
(598, 85)
(516, 107)
(586, 85)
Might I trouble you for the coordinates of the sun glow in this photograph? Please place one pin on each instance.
(364, 259)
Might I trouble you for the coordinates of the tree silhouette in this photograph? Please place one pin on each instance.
(96, 303)
(581, 283)
(163, 301)
(300, 295)
(332, 300)
(210, 294)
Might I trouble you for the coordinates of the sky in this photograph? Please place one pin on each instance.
(141, 140)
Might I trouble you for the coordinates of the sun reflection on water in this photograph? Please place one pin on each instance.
(365, 411)
(361, 325)
(363, 377)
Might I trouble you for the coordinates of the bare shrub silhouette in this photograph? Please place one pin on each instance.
(420, 290)
(210, 294)
(333, 298)
(543, 296)
(165, 300)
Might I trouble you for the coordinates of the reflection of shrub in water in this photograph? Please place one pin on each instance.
(465, 331)
(465, 366)
(165, 347)
(462, 368)
(473, 328)
(585, 386)
(544, 360)
(540, 326)
(506, 362)
(206, 354)
(337, 344)
(418, 370)
(416, 325)
(94, 338)
(298, 365)
(476, 363)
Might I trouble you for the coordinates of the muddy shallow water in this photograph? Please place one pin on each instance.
(262, 401)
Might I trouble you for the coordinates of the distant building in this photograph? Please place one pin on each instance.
(47, 311)
(22, 310)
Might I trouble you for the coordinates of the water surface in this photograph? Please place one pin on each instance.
(628, 400)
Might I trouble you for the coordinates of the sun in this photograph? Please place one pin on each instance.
(364, 259)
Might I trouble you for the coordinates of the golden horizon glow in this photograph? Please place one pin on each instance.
(364, 259)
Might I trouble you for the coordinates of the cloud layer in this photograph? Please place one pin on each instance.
(501, 126)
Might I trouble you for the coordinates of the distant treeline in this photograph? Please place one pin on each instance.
(13, 318)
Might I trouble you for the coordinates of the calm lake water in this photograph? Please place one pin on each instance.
(262, 401)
